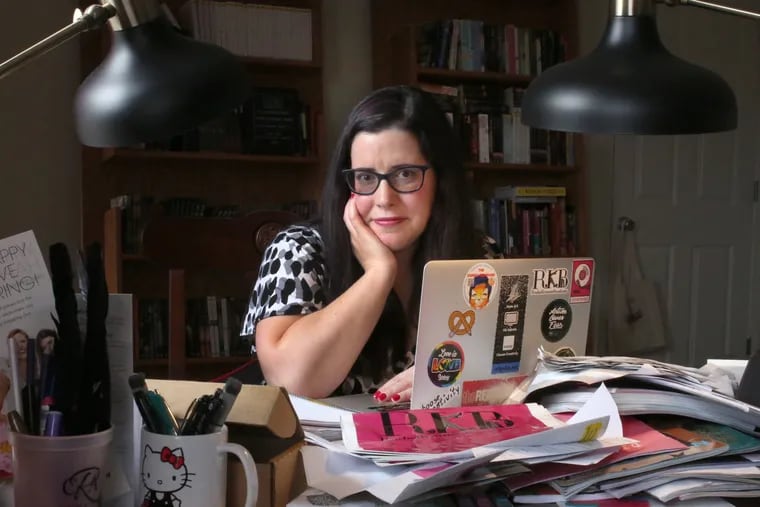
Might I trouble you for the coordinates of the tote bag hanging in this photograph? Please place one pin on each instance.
(636, 324)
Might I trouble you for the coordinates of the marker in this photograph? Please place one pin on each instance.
(140, 394)
(54, 424)
(228, 396)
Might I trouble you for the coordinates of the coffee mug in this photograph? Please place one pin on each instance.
(59, 470)
(191, 470)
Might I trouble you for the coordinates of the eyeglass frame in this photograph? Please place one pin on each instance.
(348, 175)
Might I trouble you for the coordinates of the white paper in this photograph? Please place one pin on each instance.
(119, 489)
(600, 404)
(316, 413)
(342, 475)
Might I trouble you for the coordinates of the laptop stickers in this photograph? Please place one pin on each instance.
(481, 324)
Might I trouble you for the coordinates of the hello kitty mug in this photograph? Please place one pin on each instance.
(191, 470)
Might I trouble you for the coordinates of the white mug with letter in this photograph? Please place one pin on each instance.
(191, 470)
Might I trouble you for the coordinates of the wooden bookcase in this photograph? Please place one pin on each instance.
(248, 181)
(395, 25)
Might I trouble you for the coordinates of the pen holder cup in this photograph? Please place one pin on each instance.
(191, 469)
(59, 470)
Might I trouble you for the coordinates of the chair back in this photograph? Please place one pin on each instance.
(206, 256)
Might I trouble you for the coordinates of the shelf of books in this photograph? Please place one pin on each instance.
(214, 311)
(478, 67)
(266, 154)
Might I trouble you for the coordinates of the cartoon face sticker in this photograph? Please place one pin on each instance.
(479, 284)
(480, 292)
(164, 473)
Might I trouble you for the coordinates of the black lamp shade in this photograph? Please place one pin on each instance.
(630, 84)
(155, 83)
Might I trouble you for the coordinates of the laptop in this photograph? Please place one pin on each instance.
(482, 321)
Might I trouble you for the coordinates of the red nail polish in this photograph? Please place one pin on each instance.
(380, 396)
(395, 397)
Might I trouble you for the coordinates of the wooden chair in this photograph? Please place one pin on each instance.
(216, 256)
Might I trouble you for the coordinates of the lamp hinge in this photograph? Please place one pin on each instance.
(755, 191)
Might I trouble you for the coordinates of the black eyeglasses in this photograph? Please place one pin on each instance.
(403, 179)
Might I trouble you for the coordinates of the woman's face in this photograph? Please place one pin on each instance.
(20, 340)
(397, 219)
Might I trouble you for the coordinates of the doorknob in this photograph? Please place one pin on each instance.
(626, 223)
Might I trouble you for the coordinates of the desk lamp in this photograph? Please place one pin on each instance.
(153, 83)
(631, 84)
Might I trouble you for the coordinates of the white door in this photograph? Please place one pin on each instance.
(692, 198)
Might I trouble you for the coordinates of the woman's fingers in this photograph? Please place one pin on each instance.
(397, 389)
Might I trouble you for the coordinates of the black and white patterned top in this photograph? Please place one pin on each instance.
(291, 281)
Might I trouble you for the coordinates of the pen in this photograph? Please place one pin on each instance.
(167, 424)
(188, 415)
(140, 394)
(192, 424)
(227, 397)
(15, 381)
(31, 392)
(16, 422)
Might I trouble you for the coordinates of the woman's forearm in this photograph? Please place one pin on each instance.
(316, 352)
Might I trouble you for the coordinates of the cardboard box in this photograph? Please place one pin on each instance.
(263, 421)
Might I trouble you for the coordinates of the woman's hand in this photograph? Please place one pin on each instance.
(398, 389)
(367, 247)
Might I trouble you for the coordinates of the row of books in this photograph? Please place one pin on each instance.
(488, 121)
(529, 221)
(251, 29)
(273, 121)
(475, 45)
(213, 326)
(137, 209)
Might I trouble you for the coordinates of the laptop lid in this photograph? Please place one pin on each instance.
(482, 321)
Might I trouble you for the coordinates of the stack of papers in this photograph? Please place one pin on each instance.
(642, 386)
(403, 455)
(695, 439)
(682, 438)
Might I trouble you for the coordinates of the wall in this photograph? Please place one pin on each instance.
(39, 154)
(347, 37)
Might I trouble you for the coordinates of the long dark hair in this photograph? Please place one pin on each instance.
(449, 233)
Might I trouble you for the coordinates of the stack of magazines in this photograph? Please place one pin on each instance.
(695, 439)
(413, 455)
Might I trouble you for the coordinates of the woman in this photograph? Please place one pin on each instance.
(334, 309)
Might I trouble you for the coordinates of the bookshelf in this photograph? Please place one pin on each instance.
(221, 177)
(397, 59)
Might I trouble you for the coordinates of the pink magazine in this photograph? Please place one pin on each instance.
(445, 430)
(650, 441)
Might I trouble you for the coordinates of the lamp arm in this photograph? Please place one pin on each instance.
(95, 16)
(716, 7)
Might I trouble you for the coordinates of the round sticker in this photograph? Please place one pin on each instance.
(556, 320)
(582, 275)
(445, 364)
(564, 352)
(480, 286)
